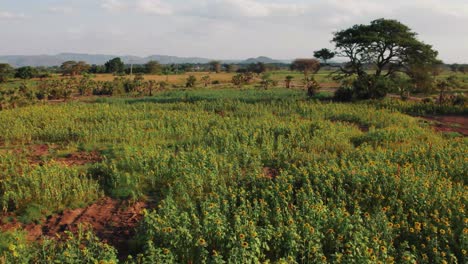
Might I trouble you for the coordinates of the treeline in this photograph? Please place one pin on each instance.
(117, 67)
(64, 89)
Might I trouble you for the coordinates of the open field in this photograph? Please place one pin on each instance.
(232, 176)
(178, 80)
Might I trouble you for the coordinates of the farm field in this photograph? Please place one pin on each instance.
(224, 79)
(322, 76)
(230, 176)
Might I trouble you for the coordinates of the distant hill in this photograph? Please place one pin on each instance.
(99, 59)
(261, 59)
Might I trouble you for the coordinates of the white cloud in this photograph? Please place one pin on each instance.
(60, 9)
(11, 15)
(242, 8)
(156, 7)
(114, 5)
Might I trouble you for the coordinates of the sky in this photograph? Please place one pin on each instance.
(218, 29)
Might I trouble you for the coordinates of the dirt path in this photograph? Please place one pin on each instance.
(449, 123)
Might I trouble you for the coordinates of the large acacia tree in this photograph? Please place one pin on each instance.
(378, 51)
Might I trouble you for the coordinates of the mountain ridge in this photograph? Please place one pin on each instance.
(99, 59)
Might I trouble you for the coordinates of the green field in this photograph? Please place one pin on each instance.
(238, 176)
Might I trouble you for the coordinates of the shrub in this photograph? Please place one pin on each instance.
(191, 81)
(344, 94)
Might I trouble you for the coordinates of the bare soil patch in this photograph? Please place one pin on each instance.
(113, 221)
(36, 154)
(81, 158)
(449, 123)
(270, 173)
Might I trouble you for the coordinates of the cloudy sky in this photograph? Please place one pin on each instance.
(222, 29)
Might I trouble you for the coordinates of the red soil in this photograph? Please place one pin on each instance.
(450, 123)
(113, 221)
(36, 152)
(81, 158)
(270, 173)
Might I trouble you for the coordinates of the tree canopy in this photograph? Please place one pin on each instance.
(379, 50)
(306, 66)
(153, 67)
(115, 65)
(324, 55)
(26, 72)
(74, 68)
(215, 66)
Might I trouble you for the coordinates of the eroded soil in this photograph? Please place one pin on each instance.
(37, 153)
(457, 124)
(113, 221)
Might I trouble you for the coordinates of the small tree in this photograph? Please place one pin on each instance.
(257, 68)
(151, 86)
(445, 86)
(153, 67)
(114, 66)
(231, 67)
(215, 66)
(238, 80)
(73, 68)
(85, 85)
(421, 79)
(266, 81)
(306, 66)
(191, 81)
(311, 85)
(6, 72)
(288, 80)
(324, 55)
(454, 67)
(206, 80)
(27, 72)
(247, 77)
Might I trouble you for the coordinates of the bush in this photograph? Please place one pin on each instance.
(344, 94)
(312, 86)
(191, 81)
(459, 99)
(371, 87)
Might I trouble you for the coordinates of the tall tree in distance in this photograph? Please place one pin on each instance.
(73, 68)
(378, 50)
(257, 68)
(454, 67)
(231, 67)
(215, 66)
(306, 66)
(26, 72)
(153, 67)
(324, 55)
(463, 69)
(115, 65)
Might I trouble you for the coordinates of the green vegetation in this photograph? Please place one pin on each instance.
(377, 53)
(243, 176)
(233, 169)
